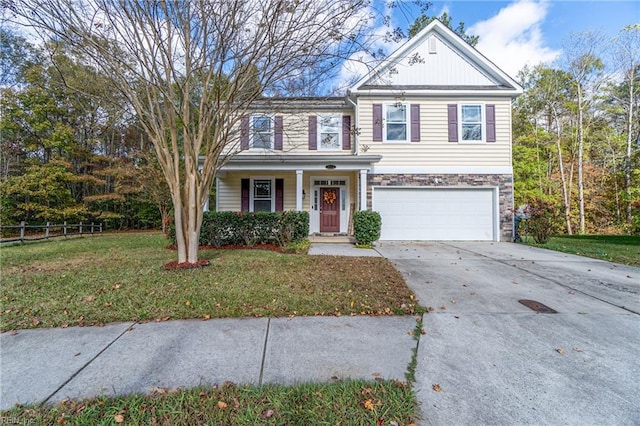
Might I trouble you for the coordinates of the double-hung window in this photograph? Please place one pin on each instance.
(263, 195)
(262, 132)
(395, 123)
(330, 132)
(471, 128)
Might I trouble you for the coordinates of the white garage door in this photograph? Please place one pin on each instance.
(435, 213)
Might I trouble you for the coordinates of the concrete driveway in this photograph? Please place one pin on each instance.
(488, 359)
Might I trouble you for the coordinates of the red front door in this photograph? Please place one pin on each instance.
(329, 210)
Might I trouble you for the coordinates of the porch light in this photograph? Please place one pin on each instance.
(330, 166)
(304, 194)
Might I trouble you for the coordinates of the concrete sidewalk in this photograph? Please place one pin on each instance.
(48, 365)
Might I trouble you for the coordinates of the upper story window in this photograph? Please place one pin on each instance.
(261, 132)
(330, 132)
(396, 127)
(471, 128)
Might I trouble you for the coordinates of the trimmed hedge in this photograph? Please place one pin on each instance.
(366, 226)
(245, 228)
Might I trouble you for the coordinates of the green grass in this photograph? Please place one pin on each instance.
(623, 249)
(121, 277)
(351, 402)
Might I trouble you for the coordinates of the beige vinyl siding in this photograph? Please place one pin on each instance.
(229, 187)
(434, 149)
(295, 140)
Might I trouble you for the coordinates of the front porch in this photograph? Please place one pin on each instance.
(330, 188)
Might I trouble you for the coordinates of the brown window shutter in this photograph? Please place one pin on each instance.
(244, 195)
(244, 132)
(452, 114)
(490, 111)
(277, 143)
(377, 122)
(313, 133)
(415, 122)
(346, 132)
(279, 195)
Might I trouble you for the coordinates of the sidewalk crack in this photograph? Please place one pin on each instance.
(264, 351)
(87, 364)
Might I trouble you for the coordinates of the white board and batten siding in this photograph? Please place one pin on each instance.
(441, 213)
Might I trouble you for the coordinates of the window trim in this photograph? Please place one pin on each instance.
(482, 122)
(252, 198)
(407, 122)
(252, 132)
(338, 131)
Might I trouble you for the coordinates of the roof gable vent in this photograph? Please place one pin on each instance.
(433, 45)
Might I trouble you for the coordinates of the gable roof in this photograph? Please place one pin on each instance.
(437, 61)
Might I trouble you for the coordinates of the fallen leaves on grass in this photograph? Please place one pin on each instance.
(267, 414)
(368, 404)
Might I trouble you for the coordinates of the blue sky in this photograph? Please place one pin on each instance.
(513, 33)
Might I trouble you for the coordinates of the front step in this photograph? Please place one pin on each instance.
(331, 238)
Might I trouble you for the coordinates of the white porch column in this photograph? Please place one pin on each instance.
(363, 189)
(299, 190)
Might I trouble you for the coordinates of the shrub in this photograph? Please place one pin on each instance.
(366, 226)
(244, 228)
(542, 221)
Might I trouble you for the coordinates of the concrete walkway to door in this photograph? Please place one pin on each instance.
(488, 359)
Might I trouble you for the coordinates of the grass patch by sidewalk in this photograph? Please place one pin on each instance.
(111, 278)
(353, 402)
(623, 249)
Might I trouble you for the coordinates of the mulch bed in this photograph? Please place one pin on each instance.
(204, 263)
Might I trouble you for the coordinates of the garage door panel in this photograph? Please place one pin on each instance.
(435, 213)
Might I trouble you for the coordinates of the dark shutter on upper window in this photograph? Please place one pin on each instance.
(244, 132)
(490, 111)
(277, 140)
(452, 117)
(415, 122)
(244, 195)
(346, 132)
(377, 122)
(313, 132)
(279, 195)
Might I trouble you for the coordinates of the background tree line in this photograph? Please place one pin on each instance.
(70, 154)
(576, 133)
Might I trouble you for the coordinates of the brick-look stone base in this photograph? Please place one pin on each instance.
(503, 182)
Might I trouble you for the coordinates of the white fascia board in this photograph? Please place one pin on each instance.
(444, 170)
(505, 93)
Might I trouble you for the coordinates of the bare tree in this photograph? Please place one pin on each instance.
(627, 56)
(552, 92)
(584, 65)
(190, 70)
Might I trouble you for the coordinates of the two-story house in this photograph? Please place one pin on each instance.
(424, 139)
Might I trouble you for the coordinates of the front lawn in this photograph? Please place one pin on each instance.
(614, 248)
(120, 277)
(95, 280)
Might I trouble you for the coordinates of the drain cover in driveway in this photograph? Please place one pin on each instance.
(537, 306)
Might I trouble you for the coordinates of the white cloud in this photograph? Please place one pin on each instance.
(513, 38)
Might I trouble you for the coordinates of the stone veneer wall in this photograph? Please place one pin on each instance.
(503, 182)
